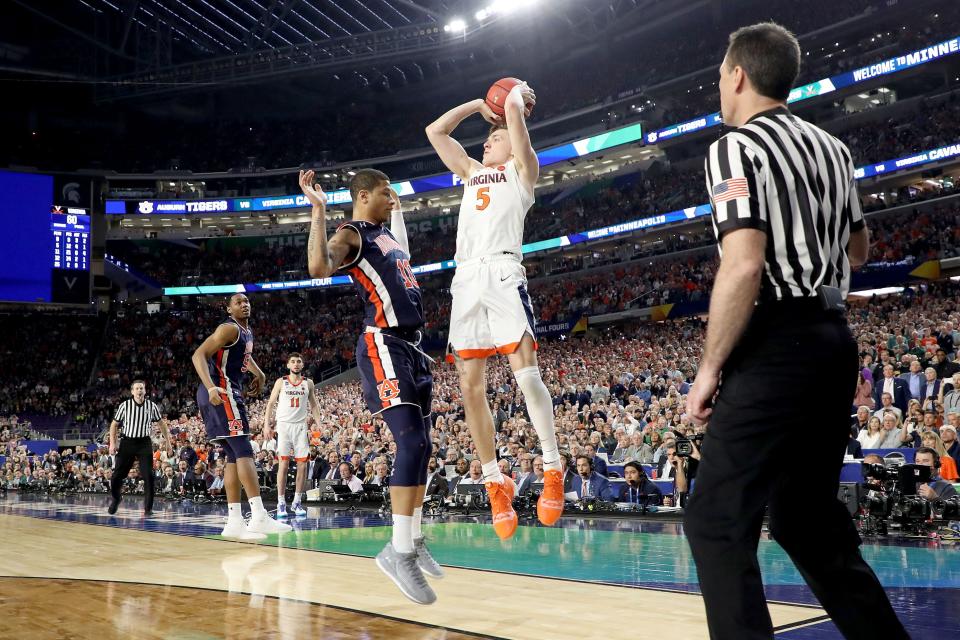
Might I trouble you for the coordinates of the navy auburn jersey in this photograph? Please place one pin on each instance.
(383, 277)
(230, 363)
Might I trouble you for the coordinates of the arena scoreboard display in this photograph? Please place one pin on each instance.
(44, 246)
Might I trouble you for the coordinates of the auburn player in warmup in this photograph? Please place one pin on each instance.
(292, 395)
(394, 372)
(491, 310)
(221, 361)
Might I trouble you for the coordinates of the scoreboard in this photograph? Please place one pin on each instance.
(45, 248)
(71, 238)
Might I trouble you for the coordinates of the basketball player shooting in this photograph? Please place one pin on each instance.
(491, 311)
(291, 397)
(394, 373)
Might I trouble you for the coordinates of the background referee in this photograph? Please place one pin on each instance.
(135, 418)
(787, 216)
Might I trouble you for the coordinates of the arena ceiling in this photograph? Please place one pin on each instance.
(132, 35)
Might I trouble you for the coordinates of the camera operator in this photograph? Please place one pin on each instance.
(639, 489)
(937, 488)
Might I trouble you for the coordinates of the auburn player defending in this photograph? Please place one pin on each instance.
(294, 393)
(491, 310)
(394, 372)
(225, 356)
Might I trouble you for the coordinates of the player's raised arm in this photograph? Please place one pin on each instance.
(397, 225)
(450, 151)
(323, 257)
(519, 102)
(224, 335)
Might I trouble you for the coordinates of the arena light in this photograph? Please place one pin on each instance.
(455, 26)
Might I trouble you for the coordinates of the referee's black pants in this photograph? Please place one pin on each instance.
(776, 439)
(130, 448)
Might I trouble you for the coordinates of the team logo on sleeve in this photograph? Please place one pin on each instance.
(389, 389)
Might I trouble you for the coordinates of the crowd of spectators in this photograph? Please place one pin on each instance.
(619, 396)
(322, 324)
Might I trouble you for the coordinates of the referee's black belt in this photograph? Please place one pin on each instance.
(136, 439)
(796, 310)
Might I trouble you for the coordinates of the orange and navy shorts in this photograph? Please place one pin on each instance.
(393, 372)
(227, 420)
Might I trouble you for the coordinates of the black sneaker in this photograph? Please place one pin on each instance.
(114, 503)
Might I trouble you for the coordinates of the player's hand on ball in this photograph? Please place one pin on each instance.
(527, 97)
(489, 115)
(313, 191)
(214, 393)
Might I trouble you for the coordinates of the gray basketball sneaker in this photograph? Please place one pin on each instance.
(425, 559)
(403, 570)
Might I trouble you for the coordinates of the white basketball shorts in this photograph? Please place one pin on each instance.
(491, 307)
(293, 440)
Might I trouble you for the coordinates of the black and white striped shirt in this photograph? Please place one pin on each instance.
(782, 175)
(136, 420)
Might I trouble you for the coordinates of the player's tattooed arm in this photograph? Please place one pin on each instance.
(323, 257)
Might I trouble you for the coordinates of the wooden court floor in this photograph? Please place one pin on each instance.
(73, 580)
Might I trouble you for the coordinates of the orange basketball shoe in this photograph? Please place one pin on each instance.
(550, 504)
(501, 505)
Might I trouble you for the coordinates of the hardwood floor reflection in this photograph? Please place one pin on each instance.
(41, 608)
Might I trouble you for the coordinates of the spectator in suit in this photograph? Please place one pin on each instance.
(168, 483)
(588, 483)
(437, 484)
(566, 468)
(381, 473)
(316, 468)
(638, 488)
(525, 476)
(914, 379)
(538, 470)
(930, 390)
(599, 464)
(897, 388)
(184, 474)
(887, 406)
(333, 467)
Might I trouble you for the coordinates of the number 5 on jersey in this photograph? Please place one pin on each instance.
(483, 198)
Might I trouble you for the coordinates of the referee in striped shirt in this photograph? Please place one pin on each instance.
(135, 418)
(788, 221)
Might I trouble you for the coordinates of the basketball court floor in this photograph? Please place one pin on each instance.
(69, 570)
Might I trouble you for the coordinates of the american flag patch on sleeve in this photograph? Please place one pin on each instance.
(730, 189)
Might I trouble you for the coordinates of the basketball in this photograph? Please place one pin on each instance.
(498, 92)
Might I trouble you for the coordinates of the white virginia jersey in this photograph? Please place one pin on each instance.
(294, 403)
(494, 205)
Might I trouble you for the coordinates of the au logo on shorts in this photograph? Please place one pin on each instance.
(389, 389)
(236, 427)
